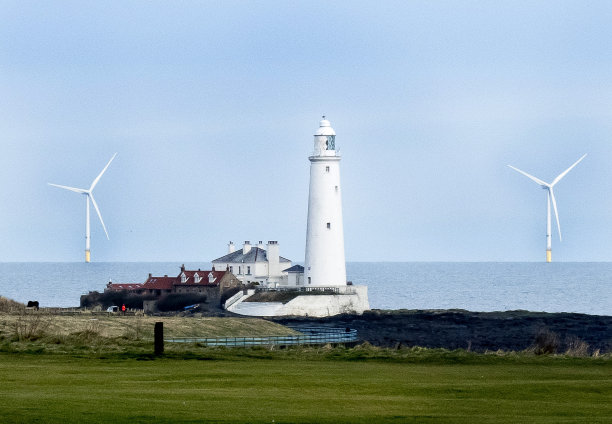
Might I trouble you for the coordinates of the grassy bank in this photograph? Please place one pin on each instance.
(34, 325)
(244, 388)
(103, 335)
(83, 368)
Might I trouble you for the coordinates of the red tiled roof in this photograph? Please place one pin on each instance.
(159, 283)
(166, 283)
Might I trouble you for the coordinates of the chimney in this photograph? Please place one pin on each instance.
(246, 248)
(230, 247)
(212, 268)
(260, 244)
(150, 275)
(273, 259)
(183, 268)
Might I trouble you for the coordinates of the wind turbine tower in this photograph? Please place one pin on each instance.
(88, 193)
(550, 198)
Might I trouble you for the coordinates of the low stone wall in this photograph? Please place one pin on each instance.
(329, 305)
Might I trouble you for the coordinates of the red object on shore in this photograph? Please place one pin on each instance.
(123, 308)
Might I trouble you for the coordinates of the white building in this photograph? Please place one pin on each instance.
(254, 264)
(324, 263)
(295, 275)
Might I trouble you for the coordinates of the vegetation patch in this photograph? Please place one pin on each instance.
(10, 306)
(285, 296)
(114, 298)
(177, 301)
(107, 334)
(273, 296)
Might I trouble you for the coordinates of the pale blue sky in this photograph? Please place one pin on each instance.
(211, 107)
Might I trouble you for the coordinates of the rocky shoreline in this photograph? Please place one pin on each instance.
(476, 331)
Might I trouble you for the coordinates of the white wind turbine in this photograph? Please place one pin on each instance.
(89, 196)
(550, 196)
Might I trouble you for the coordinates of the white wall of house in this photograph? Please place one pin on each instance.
(295, 279)
(266, 273)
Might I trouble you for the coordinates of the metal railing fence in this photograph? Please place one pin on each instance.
(308, 336)
(306, 289)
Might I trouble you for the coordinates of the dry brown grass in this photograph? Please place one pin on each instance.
(577, 347)
(34, 325)
(10, 306)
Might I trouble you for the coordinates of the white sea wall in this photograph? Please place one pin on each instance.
(258, 309)
(353, 302)
(350, 300)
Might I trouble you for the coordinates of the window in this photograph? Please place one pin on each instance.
(248, 270)
(328, 225)
(327, 169)
(232, 269)
(336, 189)
(309, 280)
(239, 270)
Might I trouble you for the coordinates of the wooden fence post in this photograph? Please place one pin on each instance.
(159, 338)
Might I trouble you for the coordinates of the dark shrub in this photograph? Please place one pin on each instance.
(546, 342)
(177, 301)
(110, 298)
(227, 294)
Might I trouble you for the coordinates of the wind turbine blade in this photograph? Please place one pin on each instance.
(556, 180)
(554, 202)
(99, 214)
(537, 180)
(100, 176)
(76, 190)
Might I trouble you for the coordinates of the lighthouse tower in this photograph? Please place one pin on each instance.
(325, 264)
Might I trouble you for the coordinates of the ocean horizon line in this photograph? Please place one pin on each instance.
(301, 262)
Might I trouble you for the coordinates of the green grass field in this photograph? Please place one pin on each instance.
(262, 386)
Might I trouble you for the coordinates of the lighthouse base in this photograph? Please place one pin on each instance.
(548, 255)
(348, 300)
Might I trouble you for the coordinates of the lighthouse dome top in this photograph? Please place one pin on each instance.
(325, 128)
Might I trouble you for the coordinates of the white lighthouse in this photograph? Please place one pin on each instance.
(325, 263)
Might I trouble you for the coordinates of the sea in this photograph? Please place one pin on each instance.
(479, 286)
